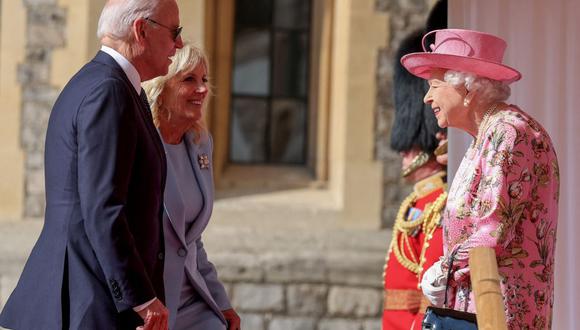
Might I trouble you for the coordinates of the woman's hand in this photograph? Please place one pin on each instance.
(441, 151)
(434, 284)
(232, 318)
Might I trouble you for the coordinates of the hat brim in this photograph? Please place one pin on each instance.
(421, 64)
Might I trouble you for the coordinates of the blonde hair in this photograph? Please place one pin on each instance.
(184, 59)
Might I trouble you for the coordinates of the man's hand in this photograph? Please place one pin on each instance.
(232, 318)
(155, 316)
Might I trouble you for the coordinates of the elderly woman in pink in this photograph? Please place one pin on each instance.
(505, 192)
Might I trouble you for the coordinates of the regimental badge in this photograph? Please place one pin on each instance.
(203, 161)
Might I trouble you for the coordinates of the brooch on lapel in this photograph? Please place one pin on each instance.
(203, 161)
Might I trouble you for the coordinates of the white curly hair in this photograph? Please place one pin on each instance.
(488, 90)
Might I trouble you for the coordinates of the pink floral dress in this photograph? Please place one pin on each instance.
(505, 196)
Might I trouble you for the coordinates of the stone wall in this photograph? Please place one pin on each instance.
(291, 292)
(304, 293)
(46, 23)
(46, 31)
(284, 266)
(404, 16)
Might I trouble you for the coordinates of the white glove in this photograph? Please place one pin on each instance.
(433, 284)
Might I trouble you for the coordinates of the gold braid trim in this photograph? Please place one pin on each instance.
(429, 220)
(402, 299)
(421, 159)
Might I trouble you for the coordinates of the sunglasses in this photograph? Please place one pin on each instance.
(174, 32)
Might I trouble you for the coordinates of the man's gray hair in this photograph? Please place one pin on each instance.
(118, 16)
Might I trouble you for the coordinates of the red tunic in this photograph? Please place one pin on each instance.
(404, 303)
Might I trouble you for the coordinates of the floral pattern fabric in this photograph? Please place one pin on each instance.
(505, 196)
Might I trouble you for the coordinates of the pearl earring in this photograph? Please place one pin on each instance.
(465, 102)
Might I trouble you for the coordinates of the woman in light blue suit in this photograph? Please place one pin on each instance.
(193, 294)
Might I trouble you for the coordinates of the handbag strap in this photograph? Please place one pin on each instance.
(449, 273)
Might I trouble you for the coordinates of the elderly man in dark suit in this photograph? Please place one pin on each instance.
(98, 263)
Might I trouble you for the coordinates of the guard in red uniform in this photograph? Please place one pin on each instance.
(415, 246)
(417, 235)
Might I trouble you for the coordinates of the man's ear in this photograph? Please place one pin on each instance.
(139, 29)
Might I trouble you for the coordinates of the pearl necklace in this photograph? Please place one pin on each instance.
(484, 122)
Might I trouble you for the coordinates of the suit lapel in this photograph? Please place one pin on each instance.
(173, 204)
(173, 200)
(204, 177)
(144, 111)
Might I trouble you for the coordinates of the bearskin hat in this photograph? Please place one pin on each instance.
(415, 124)
(437, 17)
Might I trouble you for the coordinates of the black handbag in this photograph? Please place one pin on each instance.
(437, 318)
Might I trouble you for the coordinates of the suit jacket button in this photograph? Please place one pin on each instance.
(181, 252)
(161, 255)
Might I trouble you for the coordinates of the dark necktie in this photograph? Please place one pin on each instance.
(143, 97)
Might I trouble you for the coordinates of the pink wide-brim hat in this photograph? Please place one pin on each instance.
(462, 50)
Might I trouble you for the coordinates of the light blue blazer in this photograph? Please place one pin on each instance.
(185, 249)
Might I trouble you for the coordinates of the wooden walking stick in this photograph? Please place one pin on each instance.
(485, 283)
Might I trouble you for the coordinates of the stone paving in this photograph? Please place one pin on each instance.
(284, 257)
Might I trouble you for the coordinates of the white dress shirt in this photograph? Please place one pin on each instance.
(127, 67)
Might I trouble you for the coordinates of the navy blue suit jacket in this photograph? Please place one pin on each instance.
(100, 252)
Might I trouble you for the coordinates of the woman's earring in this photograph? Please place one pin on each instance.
(465, 102)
